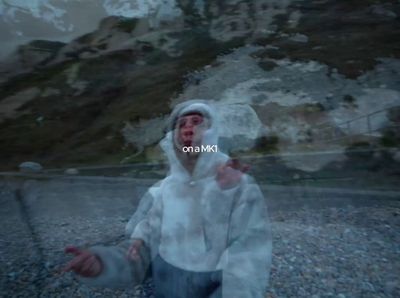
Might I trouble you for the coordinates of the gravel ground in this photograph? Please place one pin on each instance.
(336, 252)
(324, 252)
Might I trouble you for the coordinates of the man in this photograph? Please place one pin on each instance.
(204, 228)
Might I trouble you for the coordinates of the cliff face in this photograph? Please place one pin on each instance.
(277, 69)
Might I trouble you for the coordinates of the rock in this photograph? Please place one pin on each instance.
(382, 11)
(50, 92)
(366, 286)
(239, 126)
(390, 286)
(299, 38)
(141, 62)
(280, 85)
(30, 167)
(39, 120)
(12, 275)
(396, 155)
(38, 51)
(71, 171)
(267, 65)
(145, 132)
(10, 107)
(377, 155)
(302, 292)
(366, 103)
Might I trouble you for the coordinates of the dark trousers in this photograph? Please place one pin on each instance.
(172, 282)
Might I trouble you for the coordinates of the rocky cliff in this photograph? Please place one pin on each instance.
(288, 76)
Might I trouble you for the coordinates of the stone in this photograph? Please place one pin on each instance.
(390, 286)
(50, 92)
(384, 12)
(239, 126)
(367, 286)
(296, 176)
(30, 167)
(71, 171)
(145, 132)
(141, 62)
(267, 65)
(396, 155)
(299, 38)
(10, 107)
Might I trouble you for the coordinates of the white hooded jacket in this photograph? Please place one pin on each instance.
(195, 225)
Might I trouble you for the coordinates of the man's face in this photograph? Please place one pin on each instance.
(190, 129)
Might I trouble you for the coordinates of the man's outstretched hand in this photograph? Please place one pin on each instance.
(85, 263)
(134, 250)
(229, 174)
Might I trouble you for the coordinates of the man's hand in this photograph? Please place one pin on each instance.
(229, 174)
(85, 263)
(134, 250)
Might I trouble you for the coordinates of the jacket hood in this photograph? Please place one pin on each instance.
(207, 162)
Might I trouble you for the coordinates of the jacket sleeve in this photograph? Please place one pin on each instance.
(247, 260)
(118, 271)
(149, 228)
(142, 210)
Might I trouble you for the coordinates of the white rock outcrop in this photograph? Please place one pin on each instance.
(30, 167)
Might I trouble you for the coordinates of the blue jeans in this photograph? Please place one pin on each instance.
(172, 282)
